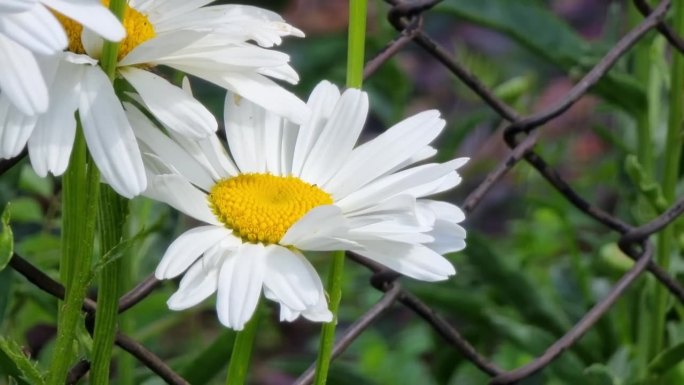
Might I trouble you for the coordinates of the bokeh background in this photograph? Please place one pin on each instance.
(533, 266)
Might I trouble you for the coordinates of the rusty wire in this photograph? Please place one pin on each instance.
(521, 135)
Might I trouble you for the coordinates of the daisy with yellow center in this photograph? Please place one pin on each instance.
(28, 28)
(210, 42)
(292, 188)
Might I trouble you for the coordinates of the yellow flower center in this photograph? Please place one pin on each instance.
(262, 207)
(138, 30)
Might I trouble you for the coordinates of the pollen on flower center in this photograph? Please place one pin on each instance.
(138, 30)
(262, 207)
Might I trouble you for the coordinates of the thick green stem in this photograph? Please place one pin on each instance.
(328, 330)
(356, 42)
(242, 352)
(79, 196)
(111, 218)
(673, 151)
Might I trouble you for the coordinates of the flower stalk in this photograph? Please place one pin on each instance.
(242, 352)
(355, 61)
(112, 211)
(80, 183)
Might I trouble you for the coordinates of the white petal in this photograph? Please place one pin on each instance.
(109, 136)
(448, 237)
(415, 261)
(395, 184)
(177, 192)
(15, 129)
(185, 250)
(322, 101)
(322, 227)
(240, 282)
(442, 210)
(337, 139)
(53, 138)
(12, 6)
(257, 88)
(37, 29)
(382, 154)
(171, 105)
(167, 149)
(92, 15)
(20, 78)
(291, 278)
(198, 283)
(160, 46)
(244, 124)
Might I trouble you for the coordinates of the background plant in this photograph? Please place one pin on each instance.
(537, 258)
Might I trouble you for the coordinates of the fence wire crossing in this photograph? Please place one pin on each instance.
(520, 134)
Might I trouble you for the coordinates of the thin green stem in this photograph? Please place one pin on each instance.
(80, 192)
(242, 352)
(328, 330)
(111, 218)
(673, 152)
(356, 43)
(110, 50)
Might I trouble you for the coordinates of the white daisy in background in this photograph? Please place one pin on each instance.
(29, 27)
(291, 188)
(208, 42)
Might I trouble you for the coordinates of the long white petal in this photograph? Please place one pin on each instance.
(382, 154)
(198, 283)
(322, 101)
(177, 192)
(291, 278)
(15, 129)
(109, 135)
(240, 283)
(244, 125)
(38, 30)
(337, 139)
(20, 78)
(322, 228)
(185, 250)
(171, 105)
(415, 261)
(53, 138)
(92, 15)
(13, 6)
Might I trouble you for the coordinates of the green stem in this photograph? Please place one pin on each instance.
(673, 152)
(111, 217)
(242, 352)
(79, 194)
(328, 330)
(110, 50)
(356, 43)
(356, 40)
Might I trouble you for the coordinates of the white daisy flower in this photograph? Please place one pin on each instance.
(292, 188)
(29, 27)
(209, 42)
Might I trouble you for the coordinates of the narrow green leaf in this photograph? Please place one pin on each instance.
(122, 248)
(6, 238)
(667, 359)
(28, 368)
(599, 374)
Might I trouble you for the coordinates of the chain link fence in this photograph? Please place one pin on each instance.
(521, 135)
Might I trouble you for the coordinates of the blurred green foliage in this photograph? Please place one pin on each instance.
(533, 266)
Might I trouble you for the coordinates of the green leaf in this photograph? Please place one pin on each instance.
(121, 248)
(5, 291)
(667, 359)
(6, 238)
(645, 183)
(599, 374)
(522, 20)
(28, 368)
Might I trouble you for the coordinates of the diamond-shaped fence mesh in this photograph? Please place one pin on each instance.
(521, 135)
